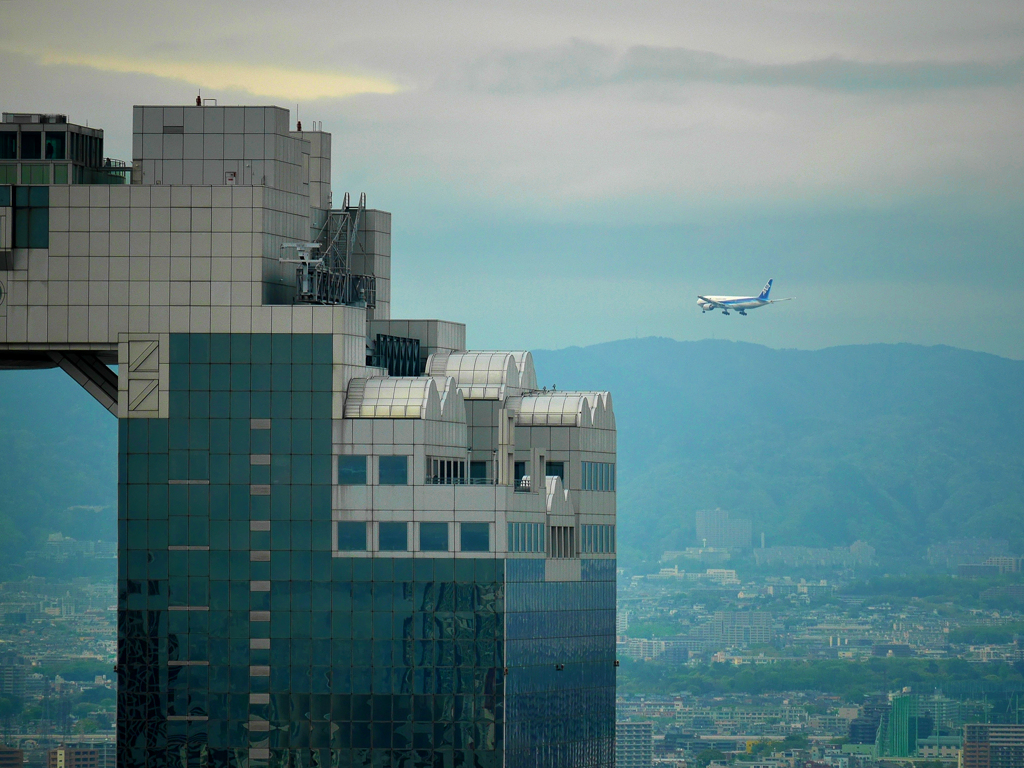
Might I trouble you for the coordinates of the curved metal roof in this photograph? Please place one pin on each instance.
(485, 375)
(564, 409)
(403, 397)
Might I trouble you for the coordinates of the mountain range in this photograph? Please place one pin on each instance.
(897, 445)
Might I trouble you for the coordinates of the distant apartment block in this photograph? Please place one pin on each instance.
(858, 553)
(11, 757)
(952, 553)
(634, 745)
(73, 757)
(739, 628)
(641, 649)
(715, 528)
(12, 675)
(991, 745)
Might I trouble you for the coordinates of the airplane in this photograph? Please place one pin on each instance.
(739, 303)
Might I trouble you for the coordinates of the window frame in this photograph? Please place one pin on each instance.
(347, 474)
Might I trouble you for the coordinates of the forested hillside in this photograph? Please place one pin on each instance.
(58, 463)
(899, 445)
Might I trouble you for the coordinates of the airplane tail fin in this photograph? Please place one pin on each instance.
(764, 293)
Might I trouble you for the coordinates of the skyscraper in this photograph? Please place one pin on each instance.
(344, 539)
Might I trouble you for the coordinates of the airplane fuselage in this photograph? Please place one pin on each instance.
(738, 303)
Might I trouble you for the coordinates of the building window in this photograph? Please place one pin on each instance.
(351, 537)
(478, 472)
(8, 145)
(476, 537)
(556, 469)
(8, 173)
(35, 173)
(598, 539)
(31, 217)
(60, 174)
(393, 537)
(519, 471)
(446, 471)
(56, 145)
(394, 470)
(598, 476)
(351, 470)
(32, 145)
(526, 537)
(562, 540)
(434, 537)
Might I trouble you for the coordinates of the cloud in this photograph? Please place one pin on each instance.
(585, 65)
(266, 81)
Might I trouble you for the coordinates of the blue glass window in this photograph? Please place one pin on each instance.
(394, 470)
(394, 537)
(476, 537)
(434, 537)
(352, 537)
(351, 470)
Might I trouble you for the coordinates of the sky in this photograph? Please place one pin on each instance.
(570, 173)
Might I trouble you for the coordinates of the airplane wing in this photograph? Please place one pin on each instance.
(712, 302)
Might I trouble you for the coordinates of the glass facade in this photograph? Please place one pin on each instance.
(560, 688)
(246, 640)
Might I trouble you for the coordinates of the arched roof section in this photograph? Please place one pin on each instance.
(563, 409)
(403, 397)
(554, 409)
(527, 373)
(479, 375)
(602, 415)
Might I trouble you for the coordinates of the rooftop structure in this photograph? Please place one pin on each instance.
(344, 539)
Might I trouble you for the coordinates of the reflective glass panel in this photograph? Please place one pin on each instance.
(394, 470)
(434, 537)
(351, 470)
(476, 537)
(351, 537)
(394, 537)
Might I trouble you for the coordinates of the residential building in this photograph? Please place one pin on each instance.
(715, 528)
(12, 675)
(11, 757)
(634, 744)
(732, 628)
(343, 537)
(73, 757)
(993, 745)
